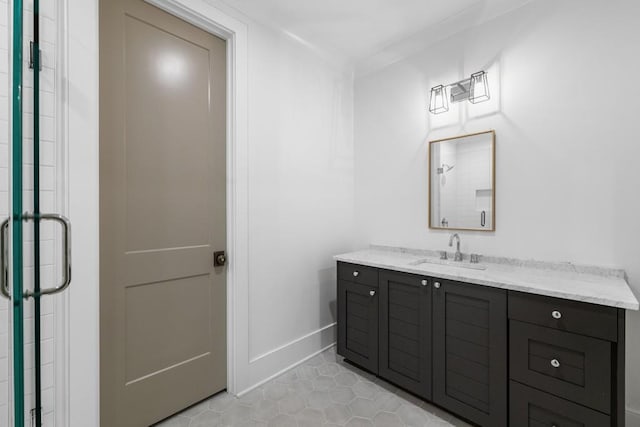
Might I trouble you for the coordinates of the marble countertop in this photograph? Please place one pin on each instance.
(561, 280)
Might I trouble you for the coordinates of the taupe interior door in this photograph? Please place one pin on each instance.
(162, 213)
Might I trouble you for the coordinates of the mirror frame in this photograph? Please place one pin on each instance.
(493, 181)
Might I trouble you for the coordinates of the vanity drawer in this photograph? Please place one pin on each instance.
(533, 408)
(572, 316)
(568, 365)
(358, 274)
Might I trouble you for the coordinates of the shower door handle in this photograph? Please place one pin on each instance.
(66, 256)
(4, 259)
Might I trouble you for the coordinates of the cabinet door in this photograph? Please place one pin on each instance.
(358, 324)
(470, 351)
(533, 408)
(405, 331)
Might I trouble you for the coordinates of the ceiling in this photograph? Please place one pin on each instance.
(357, 29)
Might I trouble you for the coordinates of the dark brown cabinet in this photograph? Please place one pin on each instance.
(566, 362)
(358, 322)
(491, 356)
(405, 331)
(470, 351)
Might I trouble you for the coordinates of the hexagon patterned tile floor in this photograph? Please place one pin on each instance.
(323, 391)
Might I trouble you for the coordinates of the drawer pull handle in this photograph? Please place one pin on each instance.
(436, 285)
(372, 293)
(556, 314)
(355, 273)
(424, 283)
(555, 363)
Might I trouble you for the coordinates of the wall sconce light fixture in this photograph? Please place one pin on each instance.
(479, 88)
(438, 103)
(474, 89)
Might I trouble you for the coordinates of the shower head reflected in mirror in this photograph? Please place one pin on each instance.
(442, 170)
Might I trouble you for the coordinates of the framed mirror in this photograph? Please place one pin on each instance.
(462, 182)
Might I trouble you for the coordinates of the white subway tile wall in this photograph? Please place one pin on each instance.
(473, 178)
(49, 243)
(4, 203)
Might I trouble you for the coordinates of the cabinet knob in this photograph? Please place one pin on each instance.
(424, 283)
(372, 293)
(556, 314)
(436, 285)
(355, 273)
(555, 363)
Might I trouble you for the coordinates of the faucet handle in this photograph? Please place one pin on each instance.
(475, 258)
(443, 254)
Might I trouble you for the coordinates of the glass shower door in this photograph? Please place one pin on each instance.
(17, 302)
(21, 238)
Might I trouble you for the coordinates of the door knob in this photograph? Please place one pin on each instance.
(219, 259)
(424, 283)
(436, 285)
(556, 314)
(372, 293)
(355, 273)
(555, 363)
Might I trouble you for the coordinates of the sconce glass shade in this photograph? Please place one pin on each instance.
(438, 103)
(478, 88)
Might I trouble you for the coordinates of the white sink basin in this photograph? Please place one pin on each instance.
(449, 263)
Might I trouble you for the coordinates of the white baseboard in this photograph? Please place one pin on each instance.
(633, 418)
(274, 363)
(292, 343)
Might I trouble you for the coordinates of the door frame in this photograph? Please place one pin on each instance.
(79, 122)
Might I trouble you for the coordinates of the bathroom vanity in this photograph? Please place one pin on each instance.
(499, 343)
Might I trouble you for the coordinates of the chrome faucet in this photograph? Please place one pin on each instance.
(458, 255)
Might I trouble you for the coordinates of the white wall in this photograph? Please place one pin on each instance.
(80, 390)
(300, 198)
(566, 121)
(300, 187)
